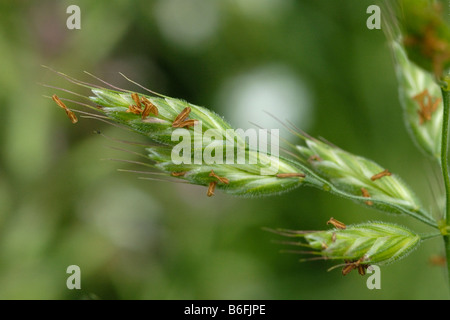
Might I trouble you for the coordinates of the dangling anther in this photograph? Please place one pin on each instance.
(136, 100)
(333, 237)
(427, 105)
(149, 107)
(181, 117)
(69, 112)
(178, 174)
(135, 108)
(221, 179)
(356, 264)
(349, 266)
(337, 224)
(384, 173)
(211, 188)
(366, 194)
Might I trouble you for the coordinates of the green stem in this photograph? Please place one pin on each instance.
(444, 166)
(310, 176)
(447, 254)
(444, 151)
(432, 235)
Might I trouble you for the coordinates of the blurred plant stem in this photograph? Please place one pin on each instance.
(444, 147)
(447, 254)
(445, 88)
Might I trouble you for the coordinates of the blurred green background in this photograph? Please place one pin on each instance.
(312, 62)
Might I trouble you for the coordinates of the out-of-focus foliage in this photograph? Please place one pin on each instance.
(426, 35)
(312, 62)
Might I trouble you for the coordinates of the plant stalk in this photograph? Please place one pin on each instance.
(444, 151)
(431, 235)
(447, 255)
(444, 166)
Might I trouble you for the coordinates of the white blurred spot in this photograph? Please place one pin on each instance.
(125, 214)
(187, 23)
(274, 89)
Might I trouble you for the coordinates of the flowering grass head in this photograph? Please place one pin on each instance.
(357, 245)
